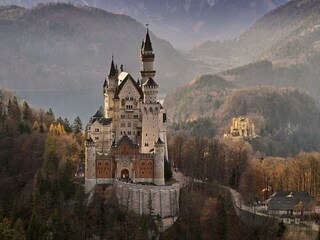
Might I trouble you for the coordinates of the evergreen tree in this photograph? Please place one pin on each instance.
(13, 109)
(77, 126)
(26, 112)
(66, 187)
(50, 115)
(67, 126)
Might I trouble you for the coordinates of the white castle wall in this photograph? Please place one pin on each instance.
(163, 200)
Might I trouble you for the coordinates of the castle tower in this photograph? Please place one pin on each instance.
(158, 170)
(90, 165)
(150, 110)
(109, 88)
(147, 58)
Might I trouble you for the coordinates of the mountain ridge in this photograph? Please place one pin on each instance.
(56, 48)
(177, 20)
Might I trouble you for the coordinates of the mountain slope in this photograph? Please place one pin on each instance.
(178, 20)
(60, 47)
(287, 120)
(288, 35)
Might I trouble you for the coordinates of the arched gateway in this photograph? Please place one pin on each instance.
(124, 173)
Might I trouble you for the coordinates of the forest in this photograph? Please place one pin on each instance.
(44, 200)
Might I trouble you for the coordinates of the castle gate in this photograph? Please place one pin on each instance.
(124, 173)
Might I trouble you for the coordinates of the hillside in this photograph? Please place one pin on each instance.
(55, 48)
(178, 20)
(202, 97)
(281, 115)
(304, 76)
(288, 35)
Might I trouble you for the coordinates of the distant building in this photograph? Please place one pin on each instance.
(290, 206)
(127, 139)
(241, 128)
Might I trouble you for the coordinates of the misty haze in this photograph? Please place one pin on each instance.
(217, 120)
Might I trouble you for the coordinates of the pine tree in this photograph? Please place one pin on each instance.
(50, 115)
(77, 126)
(67, 126)
(26, 112)
(13, 109)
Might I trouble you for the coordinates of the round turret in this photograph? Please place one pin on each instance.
(159, 149)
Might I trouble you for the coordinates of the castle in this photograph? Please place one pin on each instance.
(128, 139)
(241, 128)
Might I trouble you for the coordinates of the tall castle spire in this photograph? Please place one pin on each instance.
(109, 88)
(112, 72)
(147, 58)
(147, 46)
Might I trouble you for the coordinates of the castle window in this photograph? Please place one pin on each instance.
(129, 124)
(123, 124)
(134, 133)
(122, 116)
(121, 133)
(89, 128)
(96, 130)
(146, 144)
(135, 116)
(129, 132)
(96, 138)
(138, 133)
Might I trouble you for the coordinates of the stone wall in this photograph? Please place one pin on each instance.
(141, 199)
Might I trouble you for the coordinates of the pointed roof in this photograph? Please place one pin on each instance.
(105, 84)
(159, 141)
(126, 139)
(123, 78)
(147, 46)
(150, 82)
(112, 69)
(105, 121)
(98, 114)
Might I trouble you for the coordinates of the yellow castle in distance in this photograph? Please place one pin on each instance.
(241, 128)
